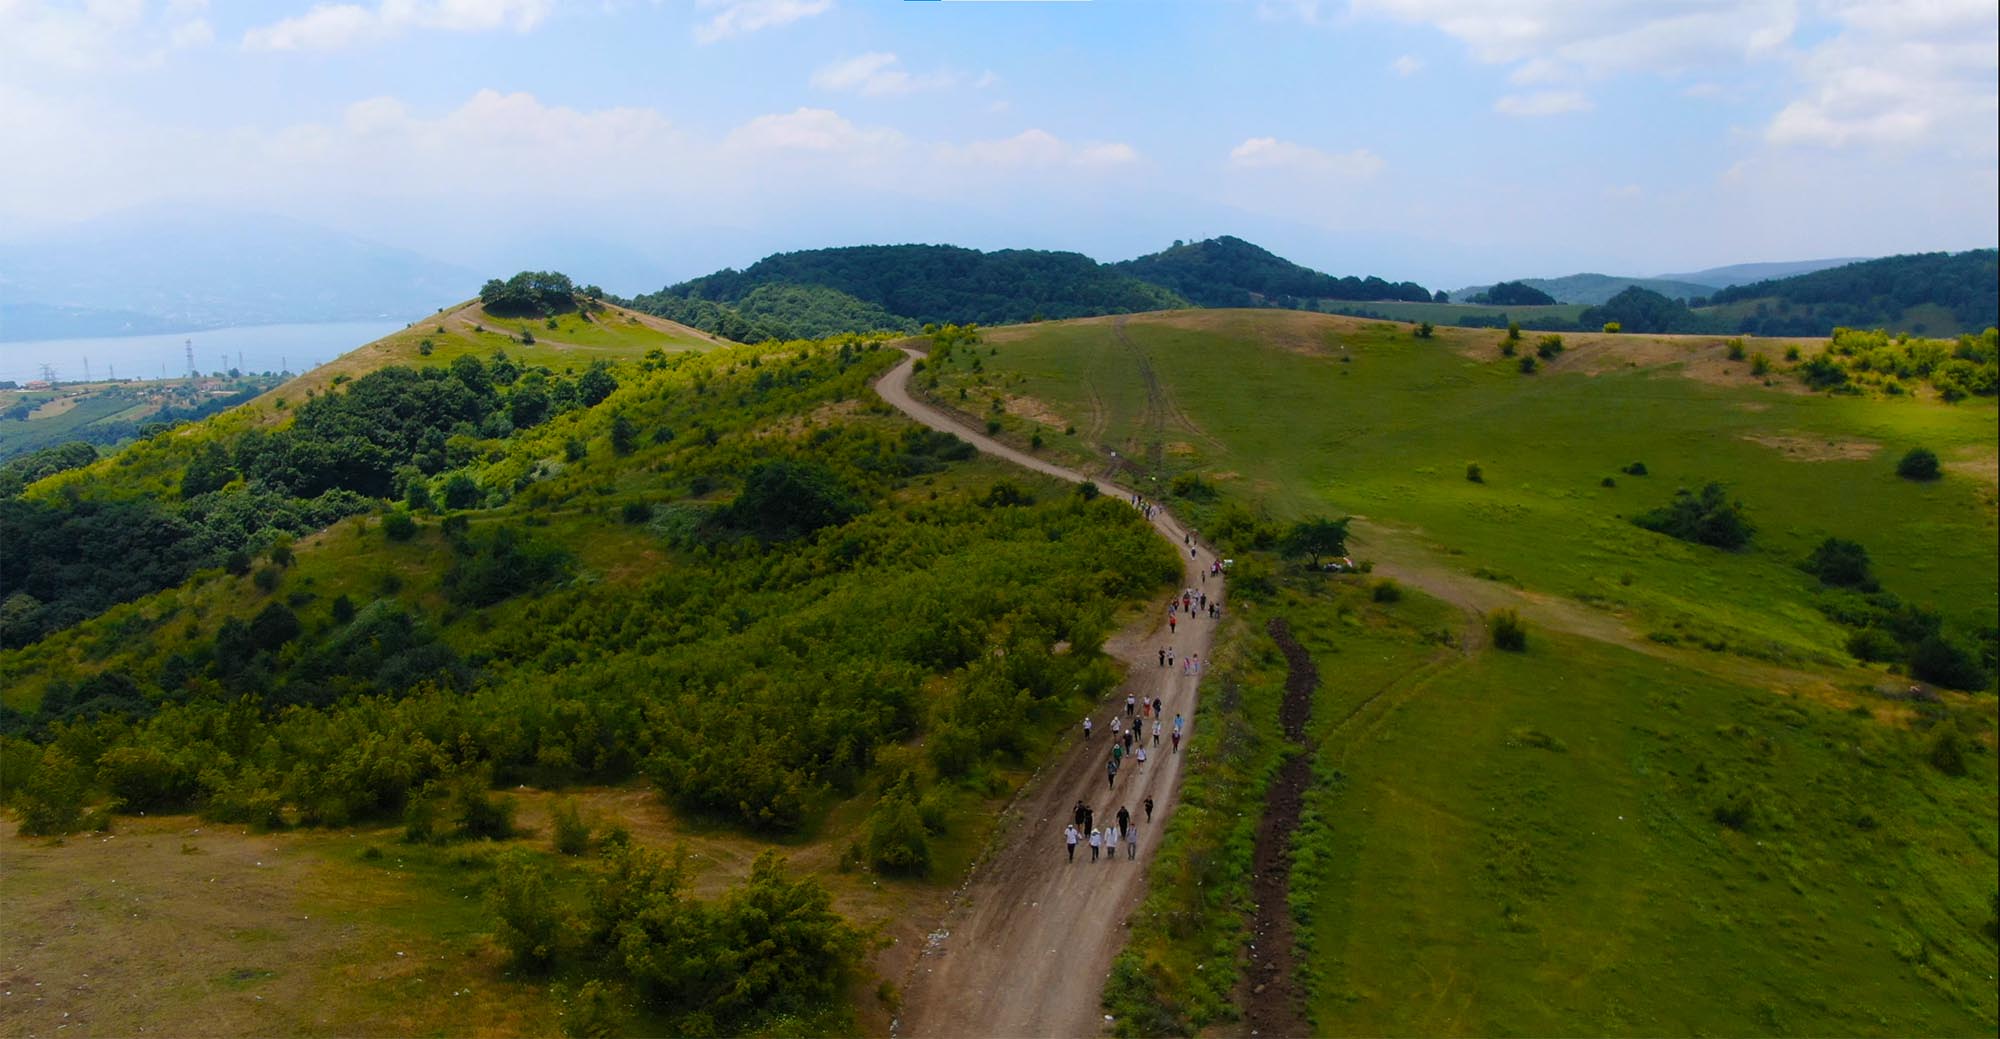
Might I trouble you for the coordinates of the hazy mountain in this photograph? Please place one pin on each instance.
(1595, 289)
(1745, 273)
(175, 269)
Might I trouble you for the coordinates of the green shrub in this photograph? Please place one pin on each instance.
(1919, 463)
(1387, 591)
(1426, 330)
(398, 525)
(1635, 469)
(636, 512)
(1735, 349)
(571, 831)
(1841, 563)
(531, 927)
(1947, 751)
(1760, 365)
(1613, 328)
(1942, 659)
(1508, 632)
(1874, 646)
(1474, 474)
(897, 840)
(51, 803)
(1527, 365)
(1707, 517)
(1549, 346)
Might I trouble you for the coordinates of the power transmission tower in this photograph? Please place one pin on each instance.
(188, 345)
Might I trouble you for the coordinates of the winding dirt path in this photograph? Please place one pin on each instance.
(1028, 941)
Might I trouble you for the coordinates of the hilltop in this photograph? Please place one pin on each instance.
(903, 287)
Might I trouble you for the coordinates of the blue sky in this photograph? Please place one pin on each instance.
(640, 141)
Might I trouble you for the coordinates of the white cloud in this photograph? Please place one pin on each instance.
(1542, 102)
(1270, 153)
(1602, 37)
(876, 73)
(809, 130)
(741, 17)
(1898, 76)
(1407, 66)
(338, 25)
(95, 36)
(1037, 149)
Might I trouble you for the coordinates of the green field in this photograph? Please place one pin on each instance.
(1531, 843)
(1357, 418)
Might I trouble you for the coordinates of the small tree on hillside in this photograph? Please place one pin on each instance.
(1921, 463)
(1316, 538)
(1426, 330)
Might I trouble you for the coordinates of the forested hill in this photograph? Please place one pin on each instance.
(864, 288)
(897, 286)
(1895, 292)
(1230, 272)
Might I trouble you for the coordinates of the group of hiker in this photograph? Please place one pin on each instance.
(1129, 729)
(1082, 829)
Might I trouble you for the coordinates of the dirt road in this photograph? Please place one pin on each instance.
(1028, 941)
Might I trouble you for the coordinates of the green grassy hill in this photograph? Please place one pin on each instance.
(1687, 806)
(710, 595)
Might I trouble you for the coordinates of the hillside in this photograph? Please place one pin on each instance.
(1230, 272)
(637, 584)
(1692, 745)
(902, 287)
(1926, 293)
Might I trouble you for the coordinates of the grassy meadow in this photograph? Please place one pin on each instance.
(1684, 809)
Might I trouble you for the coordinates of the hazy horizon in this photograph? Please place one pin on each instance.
(1447, 142)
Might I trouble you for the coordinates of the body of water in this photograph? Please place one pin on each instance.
(260, 348)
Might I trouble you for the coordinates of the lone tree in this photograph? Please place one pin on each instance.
(1316, 538)
(1921, 463)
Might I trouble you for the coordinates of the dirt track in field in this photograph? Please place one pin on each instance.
(1027, 944)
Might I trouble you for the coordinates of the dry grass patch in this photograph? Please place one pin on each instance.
(1810, 449)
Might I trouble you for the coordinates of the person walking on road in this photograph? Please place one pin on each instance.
(1130, 703)
(1156, 730)
(1111, 772)
(1124, 817)
(1096, 842)
(1069, 840)
(1149, 809)
(1079, 816)
(1131, 843)
(1111, 844)
(1163, 656)
(1086, 727)
(1141, 753)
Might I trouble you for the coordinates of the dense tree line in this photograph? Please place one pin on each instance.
(927, 284)
(1874, 294)
(20, 472)
(1230, 272)
(1643, 310)
(1514, 294)
(386, 434)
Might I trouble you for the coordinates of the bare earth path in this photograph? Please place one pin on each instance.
(1027, 944)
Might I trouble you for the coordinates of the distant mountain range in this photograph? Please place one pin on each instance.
(188, 269)
(1594, 289)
